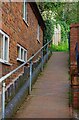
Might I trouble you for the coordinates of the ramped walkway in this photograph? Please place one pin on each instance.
(49, 97)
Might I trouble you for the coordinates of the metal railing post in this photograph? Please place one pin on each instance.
(51, 46)
(3, 99)
(47, 52)
(30, 84)
(2, 79)
(42, 59)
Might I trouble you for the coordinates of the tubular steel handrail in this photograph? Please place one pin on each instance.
(2, 79)
(6, 76)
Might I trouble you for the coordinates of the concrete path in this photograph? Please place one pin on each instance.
(49, 98)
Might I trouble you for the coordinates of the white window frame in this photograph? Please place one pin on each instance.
(20, 54)
(25, 11)
(38, 32)
(3, 60)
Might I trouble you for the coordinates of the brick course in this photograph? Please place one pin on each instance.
(74, 37)
(19, 32)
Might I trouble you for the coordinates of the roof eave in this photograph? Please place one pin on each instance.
(37, 14)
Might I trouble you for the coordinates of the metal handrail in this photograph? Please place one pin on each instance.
(6, 76)
(2, 79)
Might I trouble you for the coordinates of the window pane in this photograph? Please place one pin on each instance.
(18, 52)
(6, 49)
(25, 11)
(24, 55)
(1, 46)
(21, 53)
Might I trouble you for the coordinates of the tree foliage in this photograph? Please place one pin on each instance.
(63, 13)
(48, 30)
(66, 11)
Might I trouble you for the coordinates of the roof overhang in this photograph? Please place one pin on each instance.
(37, 14)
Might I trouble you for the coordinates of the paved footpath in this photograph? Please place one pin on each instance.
(49, 97)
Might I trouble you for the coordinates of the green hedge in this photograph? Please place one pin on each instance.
(63, 46)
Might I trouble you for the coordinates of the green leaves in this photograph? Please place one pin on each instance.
(63, 13)
(67, 11)
(48, 33)
(63, 46)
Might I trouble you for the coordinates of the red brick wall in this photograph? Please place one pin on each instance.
(19, 32)
(74, 37)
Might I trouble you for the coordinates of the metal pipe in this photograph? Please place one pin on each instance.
(47, 51)
(30, 84)
(42, 60)
(6, 76)
(3, 99)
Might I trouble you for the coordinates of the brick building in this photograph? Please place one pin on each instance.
(74, 47)
(21, 33)
(21, 36)
(74, 38)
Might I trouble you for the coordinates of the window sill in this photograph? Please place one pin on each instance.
(6, 63)
(26, 22)
(20, 60)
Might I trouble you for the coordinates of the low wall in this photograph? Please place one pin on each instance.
(74, 38)
(16, 102)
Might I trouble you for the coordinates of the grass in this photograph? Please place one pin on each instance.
(63, 46)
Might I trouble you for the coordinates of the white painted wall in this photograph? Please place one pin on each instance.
(57, 34)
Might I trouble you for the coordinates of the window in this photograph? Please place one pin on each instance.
(21, 53)
(38, 33)
(25, 11)
(24, 55)
(4, 47)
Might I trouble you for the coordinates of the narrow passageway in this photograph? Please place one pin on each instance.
(49, 97)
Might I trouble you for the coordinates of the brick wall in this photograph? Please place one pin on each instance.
(74, 37)
(19, 32)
